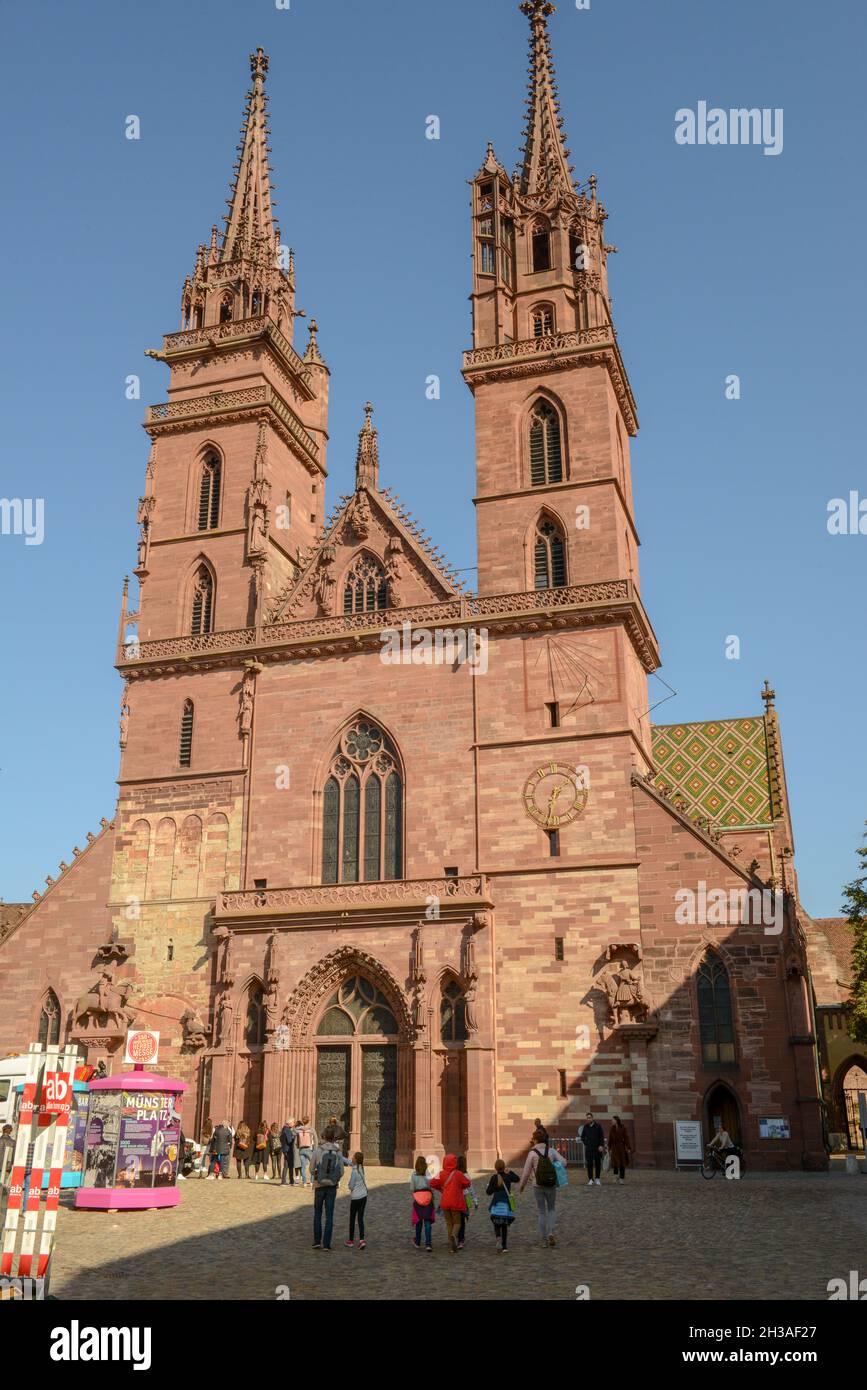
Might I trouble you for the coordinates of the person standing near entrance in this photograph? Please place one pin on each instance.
(328, 1165)
(307, 1139)
(451, 1183)
(243, 1139)
(593, 1139)
(220, 1148)
(539, 1168)
(619, 1149)
(287, 1146)
(423, 1213)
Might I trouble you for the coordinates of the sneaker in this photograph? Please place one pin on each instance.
(350, 1243)
(453, 1246)
(361, 1244)
(460, 1245)
(317, 1247)
(500, 1245)
(327, 1247)
(267, 1179)
(598, 1182)
(211, 1177)
(181, 1177)
(429, 1249)
(589, 1182)
(505, 1250)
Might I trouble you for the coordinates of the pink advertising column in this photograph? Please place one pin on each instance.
(133, 1142)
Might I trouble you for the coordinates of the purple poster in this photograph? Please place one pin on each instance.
(150, 1135)
(103, 1127)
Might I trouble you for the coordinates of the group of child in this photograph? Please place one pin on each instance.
(458, 1199)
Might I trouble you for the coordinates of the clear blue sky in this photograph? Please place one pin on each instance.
(730, 261)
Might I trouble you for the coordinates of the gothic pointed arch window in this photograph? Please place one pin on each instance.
(226, 308)
(549, 555)
(546, 457)
(542, 320)
(362, 808)
(210, 486)
(202, 608)
(713, 989)
(185, 743)
(255, 1017)
(357, 1007)
(49, 1020)
(364, 588)
(541, 247)
(453, 1014)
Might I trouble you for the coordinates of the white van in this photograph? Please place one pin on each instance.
(12, 1071)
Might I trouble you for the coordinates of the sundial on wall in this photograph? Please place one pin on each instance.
(555, 794)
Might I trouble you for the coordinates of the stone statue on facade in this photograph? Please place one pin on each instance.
(195, 1030)
(624, 992)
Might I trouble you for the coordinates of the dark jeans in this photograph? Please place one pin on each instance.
(463, 1228)
(619, 1172)
(323, 1197)
(289, 1165)
(220, 1161)
(501, 1231)
(356, 1209)
(427, 1223)
(593, 1160)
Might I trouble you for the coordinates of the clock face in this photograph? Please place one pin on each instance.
(554, 795)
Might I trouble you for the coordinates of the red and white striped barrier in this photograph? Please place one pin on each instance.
(43, 1120)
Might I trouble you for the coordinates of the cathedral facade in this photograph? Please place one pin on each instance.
(393, 850)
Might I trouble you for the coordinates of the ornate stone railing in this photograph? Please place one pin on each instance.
(239, 328)
(467, 609)
(222, 402)
(342, 897)
(535, 347)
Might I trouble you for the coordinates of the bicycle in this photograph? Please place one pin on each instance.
(714, 1161)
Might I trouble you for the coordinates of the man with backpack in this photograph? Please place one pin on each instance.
(328, 1165)
(540, 1167)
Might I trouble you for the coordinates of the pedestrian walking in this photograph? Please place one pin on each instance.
(307, 1140)
(593, 1139)
(451, 1184)
(242, 1149)
(327, 1166)
(502, 1205)
(220, 1149)
(539, 1169)
(471, 1203)
(619, 1149)
(261, 1151)
(287, 1146)
(205, 1136)
(357, 1200)
(423, 1211)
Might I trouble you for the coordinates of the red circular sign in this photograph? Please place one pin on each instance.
(143, 1047)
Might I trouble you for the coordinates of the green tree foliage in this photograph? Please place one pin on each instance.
(855, 908)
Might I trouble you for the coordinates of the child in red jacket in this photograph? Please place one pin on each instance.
(451, 1183)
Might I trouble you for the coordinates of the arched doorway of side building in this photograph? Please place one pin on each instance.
(356, 1067)
(850, 1085)
(722, 1110)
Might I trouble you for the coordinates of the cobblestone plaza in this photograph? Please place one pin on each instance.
(660, 1235)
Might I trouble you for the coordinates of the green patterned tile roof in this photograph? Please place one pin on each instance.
(719, 767)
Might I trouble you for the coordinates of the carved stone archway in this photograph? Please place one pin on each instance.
(304, 1003)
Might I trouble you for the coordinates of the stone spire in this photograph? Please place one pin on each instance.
(250, 221)
(367, 458)
(546, 158)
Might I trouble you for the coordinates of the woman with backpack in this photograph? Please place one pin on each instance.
(242, 1149)
(307, 1140)
(423, 1213)
(502, 1207)
(540, 1168)
(275, 1151)
(452, 1183)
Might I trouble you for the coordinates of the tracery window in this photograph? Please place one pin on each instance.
(365, 588)
(453, 1014)
(549, 556)
(49, 1020)
(543, 320)
(203, 601)
(362, 829)
(715, 1010)
(254, 1023)
(546, 461)
(209, 493)
(357, 1007)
